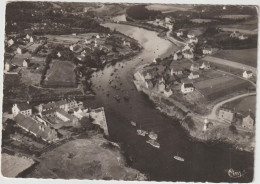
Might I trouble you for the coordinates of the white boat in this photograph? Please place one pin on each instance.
(153, 135)
(153, 143)
(235, 174)
(133, 123)
(179, 158)
(141, 132)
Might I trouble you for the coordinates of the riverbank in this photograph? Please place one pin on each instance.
(194, 124)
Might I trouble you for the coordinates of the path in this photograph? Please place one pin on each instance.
(230, 63)
(213, 114)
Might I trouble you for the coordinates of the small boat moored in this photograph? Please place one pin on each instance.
(235, 174)
(153, 135)
(179, 158)
(141, 132)
(153, 143)
(133, 123)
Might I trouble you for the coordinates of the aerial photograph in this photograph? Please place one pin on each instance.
(129, 91)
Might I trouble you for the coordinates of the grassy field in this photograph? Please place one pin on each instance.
(247, 27)
(234, 16)
(169, 7)
(219, 87)
(244, 56)
(61, 74)
(90, 158)
(13, 165)
(244, 104)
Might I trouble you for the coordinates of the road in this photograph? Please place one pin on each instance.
(173, 40)
(230, 63)
(213, 114)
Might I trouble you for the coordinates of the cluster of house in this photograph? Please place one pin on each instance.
(238, 35)
(44, 120)
(167, 22)
(246, 120)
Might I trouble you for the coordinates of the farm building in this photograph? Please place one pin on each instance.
(226, 114)
(188, 54)
(22, 108)
(187, 88)
(36, 128)
(242, 37)
(32, 39)
(248, 121)
(59, 54)
(7, 67)
(156, 60)
(161, 86)
(191, 35)
(205, 66)
(26, 62)
(247, 74)
(10, 42)
(20, 50)
(193, 40)
(179, 33)
(176, 72)
(177, 56)
(27, 36)
(97, 36)
(148, 76)
(193, 75)
(207, 50)
(194, 67)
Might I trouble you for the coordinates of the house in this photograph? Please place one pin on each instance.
(87, 42)
(7, 67)
(10, 42)
(187, 88)
(186, 47)
(242, 37)
(126, 43)
(161, 85)
(193, 75)
(167, 92)
(235, 34)
(248, 121)
(20, 50)
(22, 108)
(188, 54)
(59, 54)
(247, 74)
(179, 33)
(193, 40)
(83, 53)
(177, 56)
(205, 66)
(226, 114)
(36, 128)
(97, 36)
(95, 45)
(26, 62)
(74, 34)
(191, 35)
(194, 67)
(27, 36)
(156, 60)
(207, 50)
(31, 39)
(176, 71)
(147, 76)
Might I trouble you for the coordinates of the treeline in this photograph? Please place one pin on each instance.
(46, 68)
(140, 12)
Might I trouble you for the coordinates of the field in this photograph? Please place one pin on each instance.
(234, 16)
(201, 20)
(13, 165)
(169, 7)
(244, 56)
(244, 104)
(90, 158)
(61, 74)
(219, 87)
(246, 27)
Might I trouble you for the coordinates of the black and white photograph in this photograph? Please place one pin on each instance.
(129, 91)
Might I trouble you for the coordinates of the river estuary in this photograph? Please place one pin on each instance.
(203, 161)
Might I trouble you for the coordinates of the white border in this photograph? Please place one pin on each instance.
(4, 180)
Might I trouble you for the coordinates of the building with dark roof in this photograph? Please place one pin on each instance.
(249, 121)
(187, 88)
(22, 108)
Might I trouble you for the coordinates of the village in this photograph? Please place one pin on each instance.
(192, 84)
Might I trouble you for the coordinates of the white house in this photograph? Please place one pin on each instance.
(194, 67)
(179, 33)
(193, 40)
(190, 35)
(207, 50)
(247, 74)
(7, 67)
(188, 54)
(10, 42)
(21, 108)
(20, 50)
(242, 37)
(26, 62)
(194, 75)
(27, 36)
(59, 54)
(177, 56)
(31, 39)
(187, 88)
(176, 72)
(97, 36)
(205, 66)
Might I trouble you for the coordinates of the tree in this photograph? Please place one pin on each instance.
(233, 129)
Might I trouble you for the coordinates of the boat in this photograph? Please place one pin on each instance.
(133, 123)
(141, 132)
(153, 135)
(178, 158)
(153, 143)
(235, 174)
